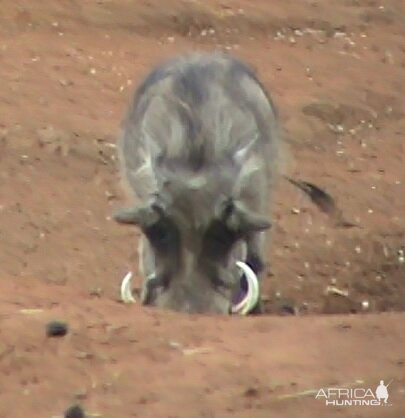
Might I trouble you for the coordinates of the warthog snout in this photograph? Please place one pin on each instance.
(194, 277)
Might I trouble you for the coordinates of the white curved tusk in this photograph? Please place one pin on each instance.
(126, 292)
(253, 293)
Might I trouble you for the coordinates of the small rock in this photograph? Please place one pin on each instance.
(251, 392)
(56, 329)
(287, 308)
(81, 394)
(65, 83)
(175, 344)
(55, 140)
(332, 290)
(74, 411)
(83, 355)
(97, 292)
(388, 57)
(401, 257)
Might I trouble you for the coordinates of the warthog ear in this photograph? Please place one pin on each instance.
(242, 220)
(143, 216)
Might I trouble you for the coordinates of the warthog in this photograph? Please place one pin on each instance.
(200, 152)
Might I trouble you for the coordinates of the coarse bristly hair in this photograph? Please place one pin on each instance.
(197, 116)
(200, 150)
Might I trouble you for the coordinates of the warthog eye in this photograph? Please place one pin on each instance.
(162, 235)
(218, 239)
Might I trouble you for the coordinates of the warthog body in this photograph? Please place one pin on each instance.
(199, 153)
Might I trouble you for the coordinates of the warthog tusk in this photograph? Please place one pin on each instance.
(126, 292)
(253, 292)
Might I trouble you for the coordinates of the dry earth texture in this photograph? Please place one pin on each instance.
(335, 296)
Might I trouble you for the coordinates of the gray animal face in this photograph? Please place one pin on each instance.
(190, 247)
(198, 153)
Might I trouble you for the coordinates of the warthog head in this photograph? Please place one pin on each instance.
(192, 242)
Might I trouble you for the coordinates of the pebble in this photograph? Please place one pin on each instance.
(56, 329)
(74, 411)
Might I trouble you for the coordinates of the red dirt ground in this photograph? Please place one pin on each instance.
(337, 73)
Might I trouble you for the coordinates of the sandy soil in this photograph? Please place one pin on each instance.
(337, 74)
